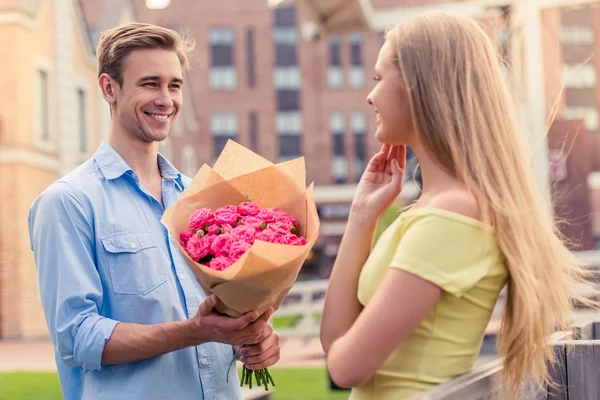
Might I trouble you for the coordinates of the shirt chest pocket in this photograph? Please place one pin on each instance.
(135, 263)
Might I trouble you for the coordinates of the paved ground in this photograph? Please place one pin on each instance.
(38, 355)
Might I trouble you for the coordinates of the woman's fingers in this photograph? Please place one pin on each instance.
(385, 149)
(401, 156)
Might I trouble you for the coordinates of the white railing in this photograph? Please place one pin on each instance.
(303, 305)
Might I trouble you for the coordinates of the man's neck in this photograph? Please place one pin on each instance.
(140, 156)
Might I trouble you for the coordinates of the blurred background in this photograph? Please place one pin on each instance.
(285, 79)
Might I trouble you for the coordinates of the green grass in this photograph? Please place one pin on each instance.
(292, 384)
(304, 384)
(290, 320)
(29, 385)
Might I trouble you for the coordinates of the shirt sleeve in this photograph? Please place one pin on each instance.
(450, 253)
(62, 240)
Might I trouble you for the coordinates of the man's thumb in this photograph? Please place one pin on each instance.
(208, 305)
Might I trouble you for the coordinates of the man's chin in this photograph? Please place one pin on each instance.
(156, 135)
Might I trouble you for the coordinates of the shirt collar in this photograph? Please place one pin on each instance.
(168, 171)
(113, 166)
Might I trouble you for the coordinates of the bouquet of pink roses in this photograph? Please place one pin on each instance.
(220, 238)
(245, 228)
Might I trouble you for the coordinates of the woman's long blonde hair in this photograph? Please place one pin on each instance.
(463, 111)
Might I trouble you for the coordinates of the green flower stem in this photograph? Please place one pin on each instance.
(262, 376)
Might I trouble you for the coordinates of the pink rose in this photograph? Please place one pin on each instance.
(226, 228)
(267, 214)
(248, 208)
(226, 218)
(255, 222)
(282, 216)
(238, 249)
(270, 236)
(214, 229)
(220, 245)
(185, 236)
(231, 208)
(244, 233)
(219, 263)
(280, 227)
(197, 248)
(294, 240)
(201, 217)
(209, 239)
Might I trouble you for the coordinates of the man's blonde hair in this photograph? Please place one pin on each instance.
(115, 45)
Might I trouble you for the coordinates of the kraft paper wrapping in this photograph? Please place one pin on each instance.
(263, 276)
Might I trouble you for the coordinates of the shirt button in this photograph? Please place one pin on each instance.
(182, 276)
(204, 361)
(133, 245)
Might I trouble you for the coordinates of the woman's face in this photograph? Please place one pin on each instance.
(391, 101)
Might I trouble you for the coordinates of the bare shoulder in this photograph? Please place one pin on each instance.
(459, 201)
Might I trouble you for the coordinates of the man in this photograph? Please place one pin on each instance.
(126, 315)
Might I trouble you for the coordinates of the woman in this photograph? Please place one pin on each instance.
(411, 313)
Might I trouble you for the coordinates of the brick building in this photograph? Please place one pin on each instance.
(50, 118)
(261, 77)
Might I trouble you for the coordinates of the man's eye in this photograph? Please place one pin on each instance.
(153, 84)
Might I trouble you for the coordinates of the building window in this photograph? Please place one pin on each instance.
(337, 127)
(223, 78)
(336, 122)
(285, 16)
(224, 126)
(358, 125)
(223, 75)
(335, 77)
(288, 100)
(339, 169)
(285, 35)
(254, 131)
(356, 49)
(82, 120)
(43, 112)
(290, 147)
(358, 122)
(287, 82)
(588, 114)
(335, 57)
(335, 74)
(356, 77)
(250, 57)
(576, 35)
(579, 76)
(356, 73)
(288, 123)
(188, 161)
(287, 77)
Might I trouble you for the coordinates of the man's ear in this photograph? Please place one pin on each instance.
(109, 88)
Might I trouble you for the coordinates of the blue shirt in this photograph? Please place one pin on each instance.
(103, 257)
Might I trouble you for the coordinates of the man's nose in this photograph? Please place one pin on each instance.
(164, 99)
